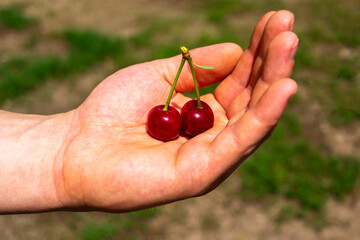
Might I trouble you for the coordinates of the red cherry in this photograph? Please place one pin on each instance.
(196, 120)
(164, 122)
(163, 125)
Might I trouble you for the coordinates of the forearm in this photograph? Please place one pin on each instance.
(30, 146)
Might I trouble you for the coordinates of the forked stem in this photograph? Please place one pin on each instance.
(186, 55)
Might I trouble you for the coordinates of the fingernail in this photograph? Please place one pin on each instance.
(293, 49)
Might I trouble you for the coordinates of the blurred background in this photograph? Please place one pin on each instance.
(302, 184)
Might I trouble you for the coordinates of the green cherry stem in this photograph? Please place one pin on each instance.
(190, 61)
(174, 84)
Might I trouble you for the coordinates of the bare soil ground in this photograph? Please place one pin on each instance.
(218, 215)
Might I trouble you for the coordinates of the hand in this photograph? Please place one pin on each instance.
(112, 164)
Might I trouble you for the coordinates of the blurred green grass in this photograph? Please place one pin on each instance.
(289, 165)
(86, 48)
(217, 11)
(13, 17)
(117, 226)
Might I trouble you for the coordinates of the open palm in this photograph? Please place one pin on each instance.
(111, 163)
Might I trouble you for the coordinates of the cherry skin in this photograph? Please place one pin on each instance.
(163, 125)
(196, 120)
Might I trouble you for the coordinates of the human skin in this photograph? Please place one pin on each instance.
(99, 155)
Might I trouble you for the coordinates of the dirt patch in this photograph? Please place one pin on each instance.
(11, 43)
(30, 44)
(342, 141)
(346, 221)
(60, 95)
(115, 17)
(218, 216)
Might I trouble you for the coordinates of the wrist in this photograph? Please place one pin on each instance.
(30, 161)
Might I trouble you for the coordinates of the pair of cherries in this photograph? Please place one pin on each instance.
(165, 122)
